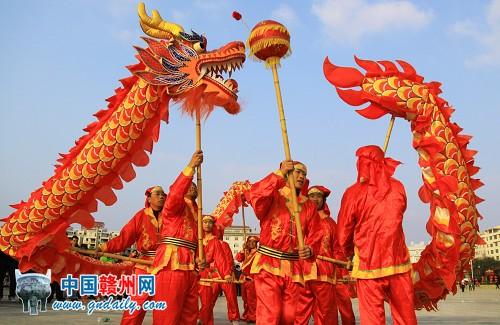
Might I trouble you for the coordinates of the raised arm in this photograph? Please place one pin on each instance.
(175, 199)
(263, 193)
(127, 237)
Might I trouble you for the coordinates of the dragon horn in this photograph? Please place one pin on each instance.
(155, 26)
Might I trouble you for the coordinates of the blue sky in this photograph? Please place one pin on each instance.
(61, 59)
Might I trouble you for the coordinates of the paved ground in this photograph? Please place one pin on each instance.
(477, 307)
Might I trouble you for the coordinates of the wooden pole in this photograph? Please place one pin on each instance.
(288, 156)
(332, 260)
(388, 134)
(116, 256)
(201, 254)
(220, 281)
(346, 281)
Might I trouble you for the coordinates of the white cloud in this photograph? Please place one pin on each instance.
(350, 20)
(486, 33)
(285, 14)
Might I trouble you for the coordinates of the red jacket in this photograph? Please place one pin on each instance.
(142, 229)
(371, 229)
(178, 221)
(271, 201)
(216, 258)
(325, 270)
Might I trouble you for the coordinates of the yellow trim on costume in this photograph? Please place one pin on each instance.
(103, 247)
(321, 278)
(326, 278)
(315, 190)
(171, 256)
(208, 217)
(188, 171)
(313, 275)
(377, 273)
(285, 268)
(149, 212)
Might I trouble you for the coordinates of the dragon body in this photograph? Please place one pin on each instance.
(175, 66)
(447, 166)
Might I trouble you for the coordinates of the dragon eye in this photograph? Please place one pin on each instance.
(199, 47)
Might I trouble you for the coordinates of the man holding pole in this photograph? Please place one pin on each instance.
(229, 288)
(219, 270)
(318, 296)
(143, 229)
(245, 257)
(174, 264)
(276, 268)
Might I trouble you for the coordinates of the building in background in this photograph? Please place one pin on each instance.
(492, 247)
(415, 250)
(234, 237)
(88, 237)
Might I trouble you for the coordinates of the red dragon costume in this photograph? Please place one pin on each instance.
(446, 163)
(175, 66)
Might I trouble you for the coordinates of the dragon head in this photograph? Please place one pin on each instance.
(180, 62)
(400, 93)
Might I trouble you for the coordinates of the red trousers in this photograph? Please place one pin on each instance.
(249, 300)
(207, 299)
(137, 316)
(317, 298)
(277, 299)
(179, 290)
(397, 289)
(229, 289)
(344, 304)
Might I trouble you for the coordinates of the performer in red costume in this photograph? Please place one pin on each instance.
(248, 286)
(229, 289)
(143, 229)
(174, 264)
(278, 273)
(219, 268)
(370, 228)
(317, 297)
